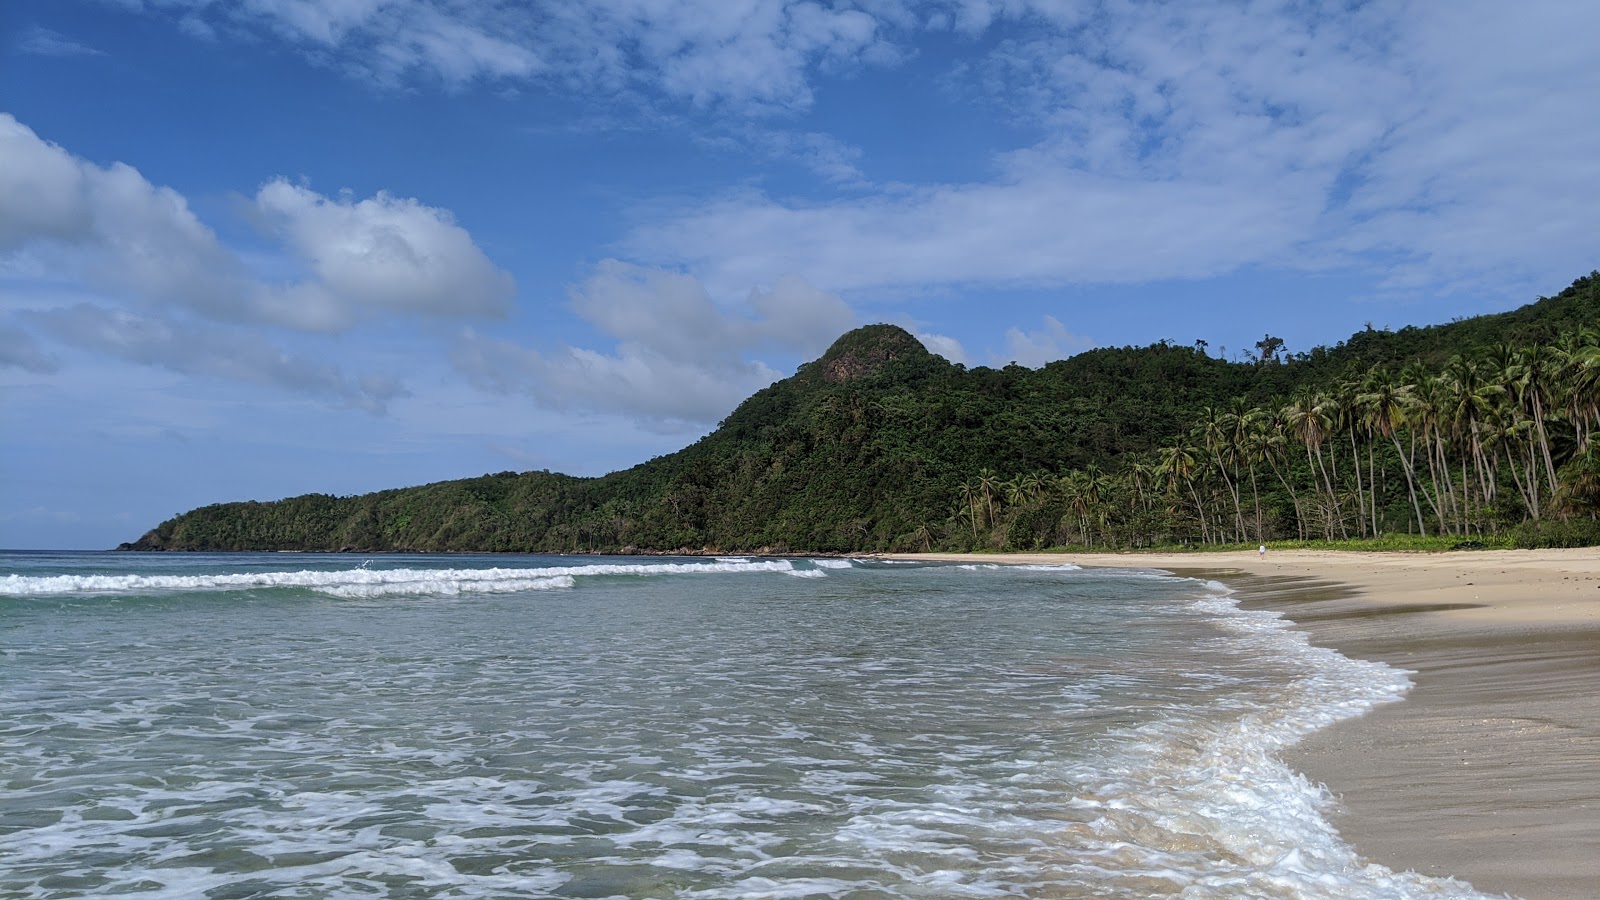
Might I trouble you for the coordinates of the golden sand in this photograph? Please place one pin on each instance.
(1489, 771)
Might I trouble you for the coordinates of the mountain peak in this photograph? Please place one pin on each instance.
(866, 350)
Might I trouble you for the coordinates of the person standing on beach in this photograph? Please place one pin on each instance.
(1262, 552)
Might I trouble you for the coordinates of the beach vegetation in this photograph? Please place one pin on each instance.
(1480, 432)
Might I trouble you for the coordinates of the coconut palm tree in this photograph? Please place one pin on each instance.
(1032, 486)
(1272, 441)
(989, 487)
(1216, 436)
(1075, 490)
(1098, 486)
(1244, 424)
(1580, 383)
(1384, 403)
(1306, 415)
(969, 507)
(1472, 400)
(1348, 419)
(1429, 402)
(1534, 382)
(1178, 466)
(1579, 491)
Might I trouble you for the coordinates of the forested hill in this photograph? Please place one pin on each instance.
(880, 444)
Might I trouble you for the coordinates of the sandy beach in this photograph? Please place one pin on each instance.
(1489, 771)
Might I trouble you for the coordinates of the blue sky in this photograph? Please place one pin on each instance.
(261, 248)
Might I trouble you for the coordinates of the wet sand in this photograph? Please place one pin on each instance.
(1489, 771)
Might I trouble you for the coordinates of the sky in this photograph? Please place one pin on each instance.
(261, 248)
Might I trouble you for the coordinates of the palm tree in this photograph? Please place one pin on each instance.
(1429, 402)
(1348, 418)
(1534, 381)
(1075, 490)
(1032, 486)
(1098, 486)
(1472, 402)
(1579, 491)
(988, 486)
(1178, 466)
(1384, 404)
(1273, 447)
(1244, 426)
(1014, 492)
(969, 507)
(1580, 384)
(1216, 433)
(1307, 417)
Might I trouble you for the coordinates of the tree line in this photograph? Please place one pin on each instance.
(1467, 431)
(1473, 448)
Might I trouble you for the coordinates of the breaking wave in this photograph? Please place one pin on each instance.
(366, 582)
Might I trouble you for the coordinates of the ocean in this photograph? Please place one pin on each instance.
(297, 725)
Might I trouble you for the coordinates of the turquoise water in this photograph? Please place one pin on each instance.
(426, 726)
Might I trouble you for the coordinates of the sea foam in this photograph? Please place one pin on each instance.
(370, 582)
(936, 732)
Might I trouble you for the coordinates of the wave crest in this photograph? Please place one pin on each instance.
(364, 582)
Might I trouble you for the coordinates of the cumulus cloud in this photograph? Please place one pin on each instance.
(110, 228)
(944, 345)
(1035, 348)
(383, 253)
(208, 351)
(1439, 144)
(678, 356)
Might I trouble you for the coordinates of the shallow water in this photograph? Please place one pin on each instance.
(322, 726)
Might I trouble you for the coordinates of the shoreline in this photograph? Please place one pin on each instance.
(1489, 770)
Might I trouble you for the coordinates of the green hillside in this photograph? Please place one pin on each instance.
(1475, 428)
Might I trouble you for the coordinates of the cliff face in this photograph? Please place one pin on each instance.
(868, 351)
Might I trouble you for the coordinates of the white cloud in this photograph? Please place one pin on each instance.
(674, 316)
(678, 356)
(1035, 348)
(384, 39)
(383, 253)
(634, 381)
(1043, 229)
(43, 188)
(41, 41)
(752, 53)
(1444, 145)
(826, 156)
(212, 352)
(112, 229)
(1440, 144)
(108, 227)
(944, 345)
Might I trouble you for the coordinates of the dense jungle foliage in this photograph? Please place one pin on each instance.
(1475, 429)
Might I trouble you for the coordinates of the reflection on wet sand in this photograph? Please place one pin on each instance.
(1490, 769)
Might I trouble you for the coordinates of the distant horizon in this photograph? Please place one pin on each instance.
(265, 250)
